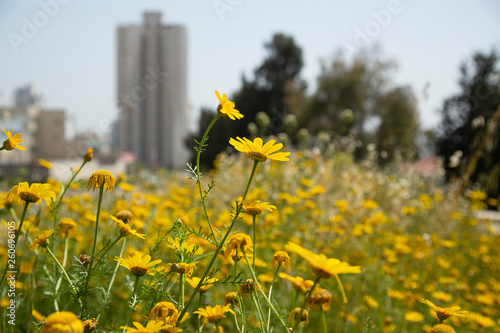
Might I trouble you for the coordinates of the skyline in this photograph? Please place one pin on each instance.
(72, 57)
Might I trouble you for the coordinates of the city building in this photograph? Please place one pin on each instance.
(152, 93)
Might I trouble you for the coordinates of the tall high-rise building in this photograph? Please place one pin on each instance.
(152, 92)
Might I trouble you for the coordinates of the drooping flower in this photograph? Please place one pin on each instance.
(90, 325)
(183, 268)
(126, 230)
(300, 315)
(259, 152)
(152, 326)
(101, 178)
(226, 107)
(35, 192)
(215, 314)
(138, 265)
(281, 257)
(320, 298)
(165, 311)
(297, 282)
(62, 322)
(232, 299)
(42, 240)
(247, 288)
(445, 313)
(238, 242)
(12, 142)
(125, 216)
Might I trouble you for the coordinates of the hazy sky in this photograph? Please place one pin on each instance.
(71, 56)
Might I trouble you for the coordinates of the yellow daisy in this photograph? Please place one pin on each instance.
(42, 240)
(256, 207)
(137, 264)
(12, 142)
(280, 257)
(35, 192)
(62, 321)
(297, 282)
(166, 311)
(259, 152)
(153, 326)
(126, 230)
(215, 314)
(226, 107)
(206, 284)
(240, 242)
(445, 313)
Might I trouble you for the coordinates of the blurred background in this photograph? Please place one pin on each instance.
(410, 81)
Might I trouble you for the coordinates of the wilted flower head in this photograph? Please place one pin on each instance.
(101, 178)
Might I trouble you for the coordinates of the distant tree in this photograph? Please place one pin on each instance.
(469, 135)
(358, 95)
(266, 93)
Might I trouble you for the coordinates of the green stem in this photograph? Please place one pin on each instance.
(198, 177)
(58, 284)
(99, 202)
(181, 289)
(101, 255)
(219, 247)
(260, 313)
(270, 295)
(264, 295)
(323, 321)
(108, 292)
(63, 271)
(18, 233)
(254, 217)
(135, 300)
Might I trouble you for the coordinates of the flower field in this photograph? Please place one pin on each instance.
(265, 242)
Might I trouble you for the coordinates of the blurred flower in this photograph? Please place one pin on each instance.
(100, 178)
(206, 284)
(300, 315)
(238, 242)
(45, 163)
(232, 299)
(298, 282)
(126, 230)
(62, 322)
(258, 152)
(445, 313)
(226, 107)
(12, 142)
(88, 155)
(320, 298)
(90, 325)
(66, 226)
(151, 327)
(441, 328)
(183, 268)
(281, 257)
(166, 311)
(414, 316)
(256, 207)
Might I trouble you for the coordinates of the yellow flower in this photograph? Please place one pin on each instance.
(88, 155)
(445, 313)
(206, 284)
(226, 107)
(90, 325)
(414, 316)
(38, 316)
(45, 163)
(256, 207)
(320, 298)
(215, 314)
(183, 268)
(66, 225)
(62, 322)
(100, 178)
(441, 328)
(371, 301)
(31, 194)
(137, 264)
(42, 240)
(166, 311)
(299, 314)
(232, 299)
(125, 216)
(240, 242)
(12, 142)
(323, 266)
(126, 230)
(153, 326)
(258, 152)
(298, 282)
(281, 257)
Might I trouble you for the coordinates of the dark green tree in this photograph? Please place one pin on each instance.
(469, 133)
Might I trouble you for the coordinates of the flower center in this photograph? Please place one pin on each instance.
(8, 145)
(29, 196)
(138, 270)
(257, 156)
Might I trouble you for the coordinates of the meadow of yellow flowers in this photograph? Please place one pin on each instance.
(268, 241)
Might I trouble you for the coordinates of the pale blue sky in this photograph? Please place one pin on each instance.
(72, 56)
